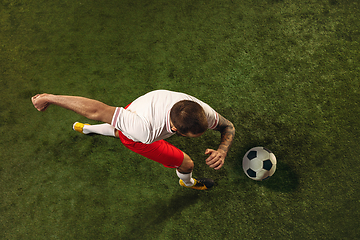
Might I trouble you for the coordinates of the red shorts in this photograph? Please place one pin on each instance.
(160, 151)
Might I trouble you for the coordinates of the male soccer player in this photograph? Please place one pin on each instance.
(143, 125)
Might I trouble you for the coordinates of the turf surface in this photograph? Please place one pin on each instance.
(286, 73)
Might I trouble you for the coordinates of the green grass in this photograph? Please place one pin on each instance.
(285, 72)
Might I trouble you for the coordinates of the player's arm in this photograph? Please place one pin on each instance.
(86, 107)
(227, 130)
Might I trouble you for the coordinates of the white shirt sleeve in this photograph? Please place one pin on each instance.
(131, 125)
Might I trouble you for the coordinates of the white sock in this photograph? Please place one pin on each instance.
(101, 129)
(186, 177)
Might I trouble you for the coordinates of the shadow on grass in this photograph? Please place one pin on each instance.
(150, 221)
(285, 179)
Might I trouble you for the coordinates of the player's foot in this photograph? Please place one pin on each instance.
(200, 184)
(79, 127)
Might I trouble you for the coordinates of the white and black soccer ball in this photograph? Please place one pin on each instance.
(259, 163)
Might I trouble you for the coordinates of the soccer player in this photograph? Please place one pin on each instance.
(143, 125)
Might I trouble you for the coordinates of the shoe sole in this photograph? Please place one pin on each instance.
(75, 129)
(208, 183)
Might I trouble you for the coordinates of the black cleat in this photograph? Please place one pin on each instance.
(200, 184)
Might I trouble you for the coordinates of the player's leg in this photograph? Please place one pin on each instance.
(187, 165)
(104, 129)
(100, 129)
(184, 172)
(170, 156)
(89, 108)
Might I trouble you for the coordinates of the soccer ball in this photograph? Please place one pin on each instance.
(259, 163)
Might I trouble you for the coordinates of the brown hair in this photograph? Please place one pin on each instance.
(188, 116)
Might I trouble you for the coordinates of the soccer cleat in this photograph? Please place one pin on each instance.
(200, 184)
(79, 127)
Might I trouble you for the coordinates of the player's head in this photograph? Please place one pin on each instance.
(188, 118)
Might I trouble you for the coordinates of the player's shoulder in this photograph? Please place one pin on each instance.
(171, 96)
(167, 95)
(162, 91)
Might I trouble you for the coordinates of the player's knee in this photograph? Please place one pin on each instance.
(186, 168)
(187, 165)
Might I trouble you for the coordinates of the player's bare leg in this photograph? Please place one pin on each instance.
(187, 165)
(184, 172)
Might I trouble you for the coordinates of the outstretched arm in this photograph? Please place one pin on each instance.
(227, 130)
(89, 108)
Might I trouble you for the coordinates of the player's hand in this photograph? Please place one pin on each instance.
(40, 101)
(216, 159)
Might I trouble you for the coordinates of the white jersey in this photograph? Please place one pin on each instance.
(147, 119)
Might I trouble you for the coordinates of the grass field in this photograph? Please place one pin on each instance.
(285, 72)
